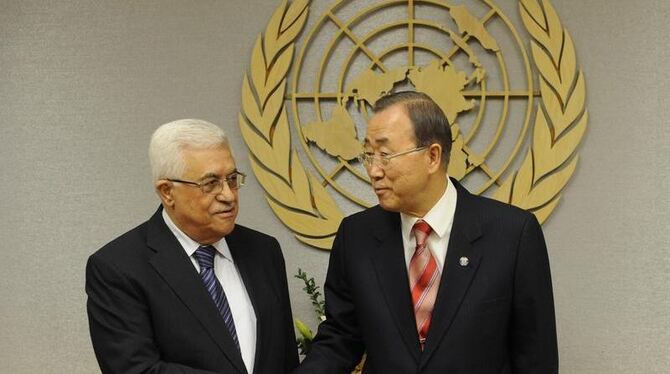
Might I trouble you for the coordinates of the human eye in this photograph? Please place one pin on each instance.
(210, 184)
(235, 180)
(232, 178)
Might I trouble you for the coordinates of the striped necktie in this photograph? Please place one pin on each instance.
(424, 279)
(205, 257)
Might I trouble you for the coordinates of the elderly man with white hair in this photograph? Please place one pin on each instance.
(190, 291)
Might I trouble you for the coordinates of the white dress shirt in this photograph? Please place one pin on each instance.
(440, 218)
(237, 295)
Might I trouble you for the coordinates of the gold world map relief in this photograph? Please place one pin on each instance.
(516, 126)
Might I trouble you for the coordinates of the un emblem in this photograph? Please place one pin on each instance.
(516, 117)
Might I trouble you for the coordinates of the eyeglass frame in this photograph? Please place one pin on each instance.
(383, 161)
(219, 182)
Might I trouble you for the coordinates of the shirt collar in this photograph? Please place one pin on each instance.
(189, 245)
(439, 217)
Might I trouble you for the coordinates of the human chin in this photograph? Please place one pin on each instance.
(223, 226)
(388, 203)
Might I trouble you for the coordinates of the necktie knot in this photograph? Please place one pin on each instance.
(421, 231)
(205, 256)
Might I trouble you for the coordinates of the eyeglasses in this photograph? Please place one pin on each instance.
(214, 186)
(368, 159)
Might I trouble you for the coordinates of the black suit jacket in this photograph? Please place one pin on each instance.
(150, 313)
(495, 315)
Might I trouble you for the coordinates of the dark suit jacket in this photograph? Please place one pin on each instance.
(495, 315)
(150, 313)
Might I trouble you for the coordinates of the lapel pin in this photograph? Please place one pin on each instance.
(464, 261)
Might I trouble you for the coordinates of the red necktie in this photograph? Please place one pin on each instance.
(424, 279)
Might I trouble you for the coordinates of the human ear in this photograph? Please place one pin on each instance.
(164, 191)
(434, 153)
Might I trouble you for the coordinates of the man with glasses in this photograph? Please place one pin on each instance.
(433, 279)
(189, 291)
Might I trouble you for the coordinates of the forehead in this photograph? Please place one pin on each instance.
(391, 126)
(217, 162)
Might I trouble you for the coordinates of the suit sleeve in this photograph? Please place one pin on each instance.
(338, 346)
(534, 345)
(120, 324)
(291, 353)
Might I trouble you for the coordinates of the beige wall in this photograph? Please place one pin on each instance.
(83, 84)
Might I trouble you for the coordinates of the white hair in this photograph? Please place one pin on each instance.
(168, 141)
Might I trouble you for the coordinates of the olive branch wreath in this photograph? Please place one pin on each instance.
(295, 195)
(560, 120)
(302, 203)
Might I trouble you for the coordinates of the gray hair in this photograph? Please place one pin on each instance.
(429, 122)
(168, 141)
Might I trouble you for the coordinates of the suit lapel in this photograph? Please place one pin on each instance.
(456, 279)
(253, 280)
(174, 266)
(389, 262)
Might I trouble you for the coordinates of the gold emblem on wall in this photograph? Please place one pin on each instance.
(516, 125)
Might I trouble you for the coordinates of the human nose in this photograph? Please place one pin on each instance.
(375, 170)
